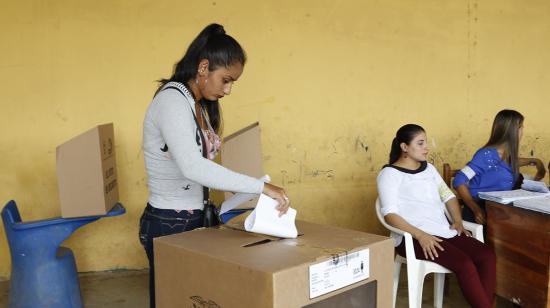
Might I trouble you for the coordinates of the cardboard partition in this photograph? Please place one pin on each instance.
(242, 153)
(226, 267)
(86, 173)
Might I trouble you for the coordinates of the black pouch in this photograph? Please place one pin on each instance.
(211, 217)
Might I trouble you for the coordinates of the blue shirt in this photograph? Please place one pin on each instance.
(485, 172)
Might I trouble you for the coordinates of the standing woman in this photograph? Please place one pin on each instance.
(495, 166)
(180, 139)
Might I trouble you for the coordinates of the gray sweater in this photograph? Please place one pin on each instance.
(172, 150)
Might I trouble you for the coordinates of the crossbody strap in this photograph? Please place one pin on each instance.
(205, 190)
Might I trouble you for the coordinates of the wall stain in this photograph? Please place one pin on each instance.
(359, 144)
(315, 173)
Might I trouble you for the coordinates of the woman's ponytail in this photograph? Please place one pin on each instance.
(221, 50)
(395, 151)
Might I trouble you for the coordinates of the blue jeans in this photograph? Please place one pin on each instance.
(158, 222)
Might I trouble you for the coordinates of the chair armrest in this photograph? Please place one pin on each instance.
(50, 222)
(412, 261)
(476, 229)
(118, 209)
(394, 229)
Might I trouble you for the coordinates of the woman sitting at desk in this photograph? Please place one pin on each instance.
(412, 198)
(495, 166)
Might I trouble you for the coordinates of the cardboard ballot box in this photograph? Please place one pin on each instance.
(86, 173)
(230, 268)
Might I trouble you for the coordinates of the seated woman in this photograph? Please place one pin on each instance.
(412, 198)
(495, 166)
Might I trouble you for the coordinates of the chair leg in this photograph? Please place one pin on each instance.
(415, 285)
(439, 282)
(396, 272)
(446, 286)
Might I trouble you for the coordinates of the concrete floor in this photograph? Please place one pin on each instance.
(129, 289)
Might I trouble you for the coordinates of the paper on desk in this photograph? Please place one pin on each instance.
(265, 219)
(537, 186)
(240, 198)
(508, 196)
(536, 204)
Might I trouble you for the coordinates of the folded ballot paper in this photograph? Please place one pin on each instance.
(265, 219)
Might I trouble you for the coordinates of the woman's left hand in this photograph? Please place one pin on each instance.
(459, 227)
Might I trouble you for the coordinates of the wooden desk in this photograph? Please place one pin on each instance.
(521, 240)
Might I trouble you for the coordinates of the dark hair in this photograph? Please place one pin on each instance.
(221, 50)
(405, 134)
(505, 131)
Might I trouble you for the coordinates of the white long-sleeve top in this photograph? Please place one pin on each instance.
(418, 196)
(176, 176)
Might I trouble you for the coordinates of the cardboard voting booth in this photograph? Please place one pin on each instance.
(230, 268)
(242, 152)
(86, 173)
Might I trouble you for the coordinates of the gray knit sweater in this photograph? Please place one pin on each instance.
(172, 150)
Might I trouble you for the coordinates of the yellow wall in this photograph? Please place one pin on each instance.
(325, 79)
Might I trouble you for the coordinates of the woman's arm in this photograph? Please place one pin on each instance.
(428, 242)
(541, 171)
(464, 194)
(454, 209)
(174, 118)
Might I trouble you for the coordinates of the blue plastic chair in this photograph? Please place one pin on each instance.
(43, 273)
(225, 217)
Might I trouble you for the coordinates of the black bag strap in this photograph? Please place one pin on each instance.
(205, 190)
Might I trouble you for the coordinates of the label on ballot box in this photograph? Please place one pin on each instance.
(338, 272)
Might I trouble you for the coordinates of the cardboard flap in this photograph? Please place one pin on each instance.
(242, 153)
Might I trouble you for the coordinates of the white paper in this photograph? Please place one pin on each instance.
(240, 198)
(265, 219)
(338, 272)
(537, 186)
(508, 196)
(536, 204)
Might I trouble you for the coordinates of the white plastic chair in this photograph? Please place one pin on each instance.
(418, 269)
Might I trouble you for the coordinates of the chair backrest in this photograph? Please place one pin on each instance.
(449, 174)
(382, 220)
(10, 214)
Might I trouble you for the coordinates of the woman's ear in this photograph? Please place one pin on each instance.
(203, 67)
(404, 147)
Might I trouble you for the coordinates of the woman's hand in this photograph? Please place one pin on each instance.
(278, 194)
(429, 244)
(541, 171)
(459, 227)
(479, 215)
